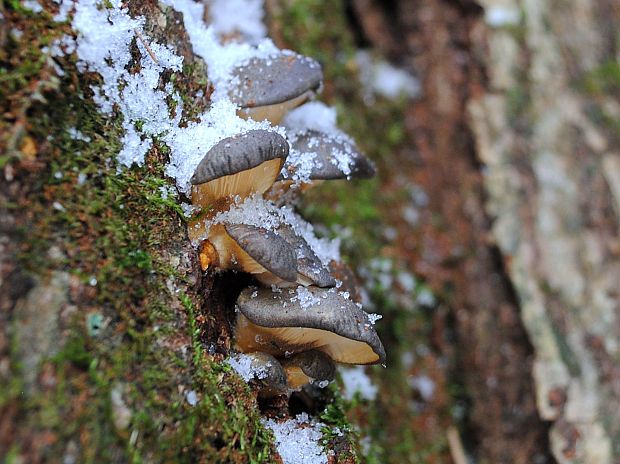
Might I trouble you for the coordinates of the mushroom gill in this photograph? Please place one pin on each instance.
(289, 322)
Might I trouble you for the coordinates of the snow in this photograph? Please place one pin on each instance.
(313, 115)
(103, 47)
(32, 5)
(77, 135)
(245, 366)
(379, 77)
(244, 16)
(191, 397)
(64, 7)
(498, 16)
(355, 381)
(424, 385)
(305, 297)
(220, 59)
(373, 318)
(298, 440)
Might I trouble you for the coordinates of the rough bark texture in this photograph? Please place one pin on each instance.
(542, 129)
(107, 324)
(453, 252)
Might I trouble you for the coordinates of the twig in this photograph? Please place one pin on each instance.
(148, 49)
(456, 446)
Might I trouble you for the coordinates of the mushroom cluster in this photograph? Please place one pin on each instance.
(299, 321)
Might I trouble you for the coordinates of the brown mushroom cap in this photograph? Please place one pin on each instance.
(305, 367)
(309, 266)
(275, 79)
(279, 322)
(336, 157)
(240, 165)
(269, 250)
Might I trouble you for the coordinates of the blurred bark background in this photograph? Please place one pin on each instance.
(513, 139)
(517, 139)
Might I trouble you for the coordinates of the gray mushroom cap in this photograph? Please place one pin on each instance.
(240, 153)
(275, 79)
(314, 363)
(308, 263)
(269, 374)
(334, 157)
(277, 322)
(268, 249)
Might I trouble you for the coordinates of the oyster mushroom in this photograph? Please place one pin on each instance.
(267, 374)
(308, 366)
(250, 249)
(269, 87)
(322, 156)
(310, 269)
(239, 165)
(290, 322)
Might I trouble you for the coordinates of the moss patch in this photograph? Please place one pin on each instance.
(130, 381)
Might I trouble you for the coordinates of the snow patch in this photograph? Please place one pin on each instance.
(355, 381)
(244, 365)
(499, 16)
(238, 16)
(298, 440)
(379, 77)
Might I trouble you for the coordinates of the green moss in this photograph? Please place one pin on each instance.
(603, 80)
(112, 230)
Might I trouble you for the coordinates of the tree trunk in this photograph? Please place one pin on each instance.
(113, 341)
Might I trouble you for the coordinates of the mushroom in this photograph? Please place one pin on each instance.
(290, 322)
(310, 269)
(323, 156)
(309, 366)
(271, 86)
(250, 249)
(267, 374)
(237, 166)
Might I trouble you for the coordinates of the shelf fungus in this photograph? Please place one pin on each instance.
(235, 168)
(250, 249)
(267, 88)
(316, 156)
(270, 377)
(310, 269)
(291, 322)
(240, 165)
(332, 157)
(312, 366)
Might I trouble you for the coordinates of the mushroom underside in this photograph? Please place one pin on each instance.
(256, 180)
(291, 340)
(275, 112)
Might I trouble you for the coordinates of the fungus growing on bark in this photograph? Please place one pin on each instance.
(290, 322)
(239, 166)
(250, 249)
(332, 157)
(268, 375)
(236, 167)
(309, 366)
(269, 87)
(310, 269)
